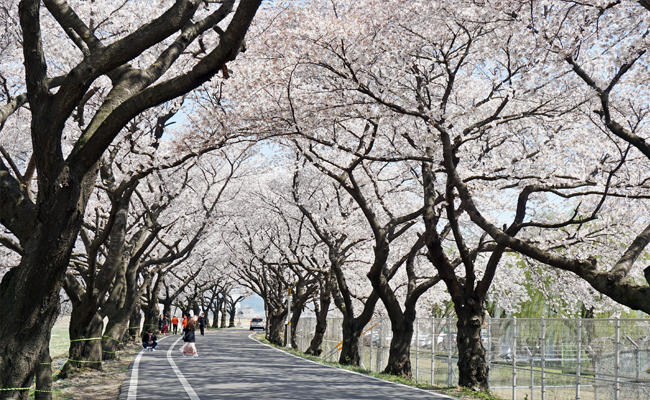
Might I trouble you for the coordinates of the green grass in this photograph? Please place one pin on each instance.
(451, 391)
(60, 340)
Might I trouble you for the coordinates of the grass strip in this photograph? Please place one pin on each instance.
(455, 391)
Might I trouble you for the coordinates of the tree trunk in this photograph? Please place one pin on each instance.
(223, 316)
(29, 293)
(125, 321)
(231, 320)
(351, 334)
(215, 316)
(85, 342)
(472, 368)
(150, 318)
(134, 322)
(275, 328)
(399, 357)
(316, 345)
(322, 309)
(167, 309)
(44, 377)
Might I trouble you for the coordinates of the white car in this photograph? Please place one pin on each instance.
(257, 323)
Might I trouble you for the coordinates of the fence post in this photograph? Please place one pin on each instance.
(638, 370)
(489, 347)
(514, 358)
(372, 334)
(543, 358)
(578, 358)
(617, 359)
(450, 370)
(532, 373)
(380, 344)
(417, 347)
(434, 340)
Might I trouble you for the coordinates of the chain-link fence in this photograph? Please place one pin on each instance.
(532, 359)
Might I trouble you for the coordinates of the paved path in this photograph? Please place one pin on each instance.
(233, 366)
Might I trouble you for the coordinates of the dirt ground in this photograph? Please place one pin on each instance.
(96, 385)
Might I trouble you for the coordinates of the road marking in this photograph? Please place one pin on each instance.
(133, 384)
(179, 374)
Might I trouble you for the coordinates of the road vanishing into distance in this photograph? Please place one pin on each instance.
(232, 365)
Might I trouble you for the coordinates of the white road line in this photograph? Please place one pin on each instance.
(179, 374)
(133, 384)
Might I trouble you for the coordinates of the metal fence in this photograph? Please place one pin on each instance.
(529, 359)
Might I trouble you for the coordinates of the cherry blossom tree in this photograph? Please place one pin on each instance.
(127, 59)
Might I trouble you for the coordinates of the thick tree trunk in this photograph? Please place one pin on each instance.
(316, 345)
(295, 318)
(399, 357)
(29, 293)
(351, 334)
(223, 316)
(44, 377)
(231, 321)
(135, 321)
(472, 367)
(151, 318)
(275, 328)
(85, 344)
(167, 309)
(125, 321)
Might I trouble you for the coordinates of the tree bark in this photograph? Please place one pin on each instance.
(275, 327)
(223, 315)
(399, 357)
(472, 367)
(44, 377)
(315, 346)
(352, 329)
(85, 342)
(119, 327)
(29, 293)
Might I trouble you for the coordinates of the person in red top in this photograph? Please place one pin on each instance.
(184, 323)
(175, 325)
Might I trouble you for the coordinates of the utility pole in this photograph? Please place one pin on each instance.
(288, 320)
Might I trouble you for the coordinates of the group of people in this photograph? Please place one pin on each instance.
(150, 340)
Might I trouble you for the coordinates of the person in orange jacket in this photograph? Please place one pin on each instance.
(184, 323)
(174, 325)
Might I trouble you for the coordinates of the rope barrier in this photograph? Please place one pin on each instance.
(42, 391)
(83, 361)
(108, 337)
(46, 364)
(83, 340)
(12, 389)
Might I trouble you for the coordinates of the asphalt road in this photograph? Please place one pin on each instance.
(233, 366)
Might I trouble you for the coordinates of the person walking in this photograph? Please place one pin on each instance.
(175, 324)
(202, 322)
(189, 339)
(160, 323)
(184, 322)
(165, 326)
